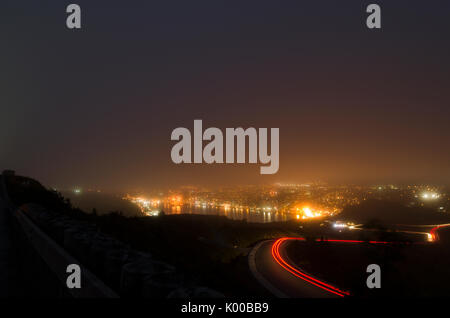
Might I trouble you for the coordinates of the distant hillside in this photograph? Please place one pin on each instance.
(103, 203)
(24, 190)
(392, 213)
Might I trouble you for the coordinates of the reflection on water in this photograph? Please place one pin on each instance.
(231, 213)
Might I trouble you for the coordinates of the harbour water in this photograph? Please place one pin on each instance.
(251, 215)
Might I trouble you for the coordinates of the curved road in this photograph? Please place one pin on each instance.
(271, 266)
(277, 279)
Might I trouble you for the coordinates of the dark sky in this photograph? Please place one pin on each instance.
(95, 107)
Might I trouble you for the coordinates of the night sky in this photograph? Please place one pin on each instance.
(95, 107)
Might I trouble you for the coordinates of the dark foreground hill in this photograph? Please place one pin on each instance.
(205, 250)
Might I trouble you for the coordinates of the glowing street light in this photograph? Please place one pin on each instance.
(430, 196)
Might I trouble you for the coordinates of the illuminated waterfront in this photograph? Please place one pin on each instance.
(281, 202)
(231, 213)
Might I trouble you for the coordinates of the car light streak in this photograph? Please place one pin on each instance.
(352, 241)
(321, 284)
(279, 259)
(433, 232)
(294, 271)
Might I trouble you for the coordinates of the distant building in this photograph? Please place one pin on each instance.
(9, 172)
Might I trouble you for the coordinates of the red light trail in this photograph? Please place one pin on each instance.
(294, 271)
(433, 232)
(308, 278)
(319, 283)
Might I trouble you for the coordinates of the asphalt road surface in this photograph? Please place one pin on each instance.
(281, 279)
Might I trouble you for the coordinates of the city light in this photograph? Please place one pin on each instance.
(153, 213)
(298, 202)
(430, 196)
(339, 225)
(308, 213)
(148, 207)
(176, 199)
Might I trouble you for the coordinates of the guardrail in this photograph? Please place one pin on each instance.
(42, 262)
(58, 259)
(47, 242)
